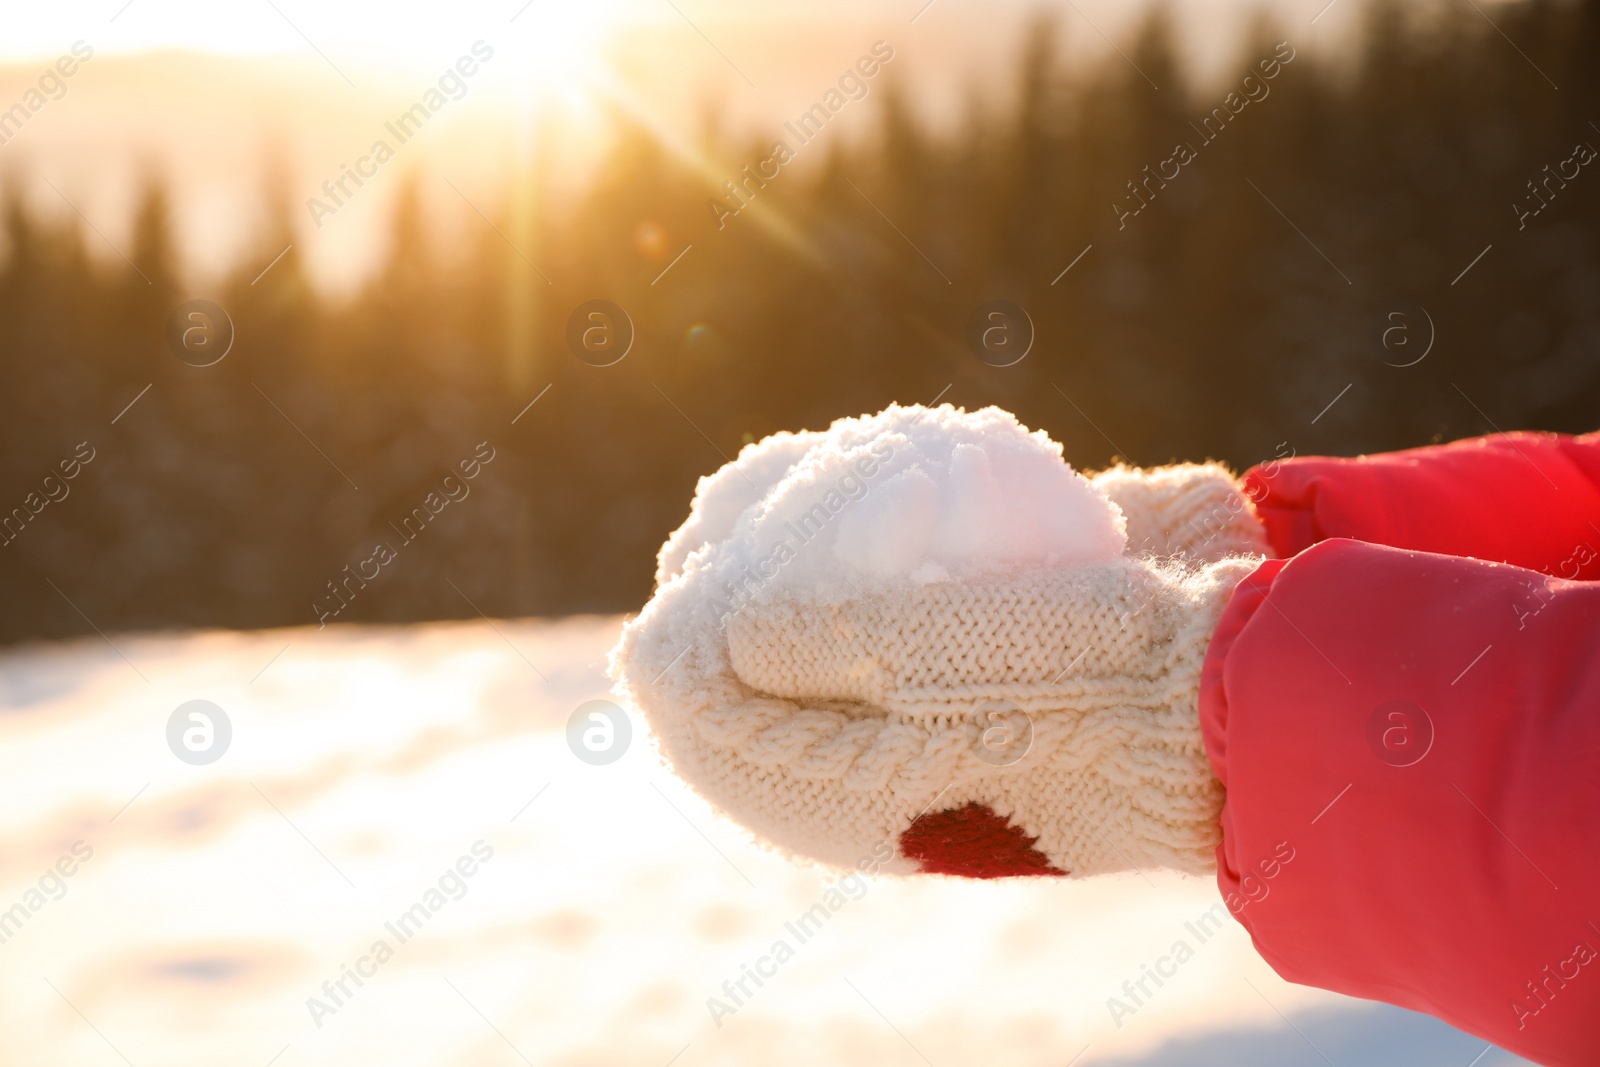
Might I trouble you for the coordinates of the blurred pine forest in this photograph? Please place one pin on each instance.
(1207, 327)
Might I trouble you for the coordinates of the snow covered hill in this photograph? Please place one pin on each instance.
(413, 788)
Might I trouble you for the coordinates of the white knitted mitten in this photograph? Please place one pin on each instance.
(919, 641)
(944, 725)
(1196, 510)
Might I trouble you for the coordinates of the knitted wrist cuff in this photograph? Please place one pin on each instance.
(828, 726)
(1189, 509)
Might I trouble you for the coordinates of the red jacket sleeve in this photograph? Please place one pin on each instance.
(1411, 748)
(1524, 498)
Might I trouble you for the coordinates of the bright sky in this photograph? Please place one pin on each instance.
(367, 31)
(206, 94)
(353, 30)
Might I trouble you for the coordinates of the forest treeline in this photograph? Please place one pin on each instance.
(1243, 254)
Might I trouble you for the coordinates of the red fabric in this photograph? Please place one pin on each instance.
(1524, 498)
(1420, 735)
(1409, 733)
(972, 842)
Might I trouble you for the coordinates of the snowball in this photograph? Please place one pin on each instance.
(909, 495)
(722, 497)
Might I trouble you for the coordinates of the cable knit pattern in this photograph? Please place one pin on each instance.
(1189, 509)
(828, 727)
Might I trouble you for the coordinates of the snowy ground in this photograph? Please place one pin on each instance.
(365, 763)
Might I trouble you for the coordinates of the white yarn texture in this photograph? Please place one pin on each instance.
(827, 724)
(1188, 509)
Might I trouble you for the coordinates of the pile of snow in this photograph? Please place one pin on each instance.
(909, 494)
